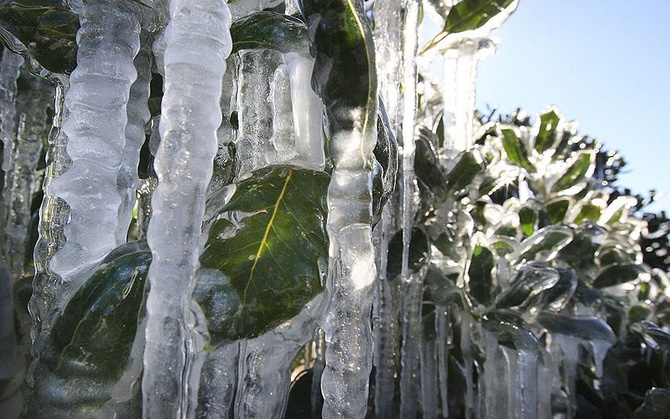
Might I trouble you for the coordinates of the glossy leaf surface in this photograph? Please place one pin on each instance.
(95, 332)
(270, 247)
(344, 68)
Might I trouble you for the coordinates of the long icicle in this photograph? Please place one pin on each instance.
(197, 43)
(412, 283)
(97, 98)
(348, 87)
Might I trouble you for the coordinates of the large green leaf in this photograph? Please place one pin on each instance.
(510, 330)
(266, 253)
(94, 333)
(617, 274)
(583, 327)
(464, 172)
(46, 27)
(473, 14)
(270, 30)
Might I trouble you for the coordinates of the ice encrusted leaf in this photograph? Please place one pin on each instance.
(270, 246)
(473, 14)
(270, 30)
(95, 332)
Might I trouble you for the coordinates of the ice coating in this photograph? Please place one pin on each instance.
(198, 41)
(97, 99)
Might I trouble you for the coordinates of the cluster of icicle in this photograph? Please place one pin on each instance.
(101, 120)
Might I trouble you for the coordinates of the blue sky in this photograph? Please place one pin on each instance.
(603, 63)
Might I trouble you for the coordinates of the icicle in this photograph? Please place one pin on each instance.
(197, 43)
(32, 128)
(9, 73)
(442, 326)
(138, 117)
(282, 114)
(316, 398)
(11, 362)
(218, 380)
(255, 148)
(97, 98)
(307, 115)
(459, 89)
(429, 368)
(54, 213)
(412, 284)
(264, 376)
(389, 29)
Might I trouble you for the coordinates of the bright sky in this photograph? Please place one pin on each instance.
(603, 63)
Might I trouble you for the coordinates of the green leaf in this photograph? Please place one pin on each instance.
(618, 274)
(94, 333)
(47, 28)
(480, 274)
(427, 167)
(344, 73)
(545, 244)
(546, 136)
(558, 208)
(464, 173)
(272, 31)
(419, 253)
(515, 149)
(528, 219)
(473, 14)
(583, 327)
(270, 248)
(510, 330)
(581, 167)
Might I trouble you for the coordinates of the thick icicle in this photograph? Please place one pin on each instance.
(429, 368)
(218, 380)
(138, 117)
(255, 148)
(108, 41)
(197, 43)
(348, 87)
(9, 73)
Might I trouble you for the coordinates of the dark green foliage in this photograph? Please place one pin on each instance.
(47, 28)
(270, 248)
(95, 331)
(344, 75)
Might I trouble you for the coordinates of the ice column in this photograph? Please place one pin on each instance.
(99, 88)
(412, 283)
(197, 43)
(460, 80)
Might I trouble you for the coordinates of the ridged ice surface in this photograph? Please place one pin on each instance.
(197, 41)
(9, 73)
(97, 99)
